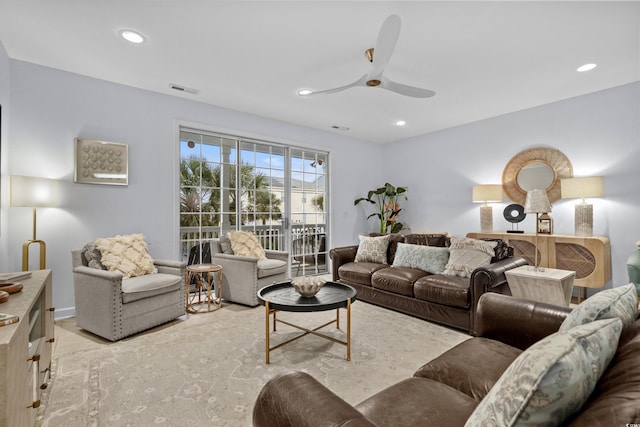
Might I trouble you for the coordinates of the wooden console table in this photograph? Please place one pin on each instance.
(589, 257)
(25, 350)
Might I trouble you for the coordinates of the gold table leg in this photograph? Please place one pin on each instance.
(349, 329)
(266, 307)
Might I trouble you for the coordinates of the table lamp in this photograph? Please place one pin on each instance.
(35, 193)
(537, 202)
(581, 188)
(486, 193)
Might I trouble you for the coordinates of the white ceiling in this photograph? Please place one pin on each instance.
(482, 59)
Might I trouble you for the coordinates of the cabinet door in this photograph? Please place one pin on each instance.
(589, 257)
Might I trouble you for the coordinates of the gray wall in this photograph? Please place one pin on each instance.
(599, 133)
(49, 108)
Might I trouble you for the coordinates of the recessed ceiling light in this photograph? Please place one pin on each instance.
(400, 123)
(303, 92)
(132, 36)
(586, 67)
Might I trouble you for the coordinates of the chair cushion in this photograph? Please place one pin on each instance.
(141, 287)
(552, 379)
(441, 289)
(620, 302)
(128, 254)
(268, 267)
(427, 258)
(468, 254)
(373, 249)
(246, 244)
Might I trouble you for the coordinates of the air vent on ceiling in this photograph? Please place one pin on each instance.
(184, 89)
(343, 128)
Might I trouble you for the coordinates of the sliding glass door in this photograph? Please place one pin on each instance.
(277, 192)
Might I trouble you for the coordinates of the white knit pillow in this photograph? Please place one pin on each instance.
(128, 254)
(246, 244)
(468, 254)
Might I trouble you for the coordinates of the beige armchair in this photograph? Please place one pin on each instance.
(243, 276)
(114, 307)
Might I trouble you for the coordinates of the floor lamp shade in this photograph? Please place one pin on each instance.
(486, 193)
(26, 191)
(582, 188)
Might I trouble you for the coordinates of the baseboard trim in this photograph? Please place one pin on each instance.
(64, 313)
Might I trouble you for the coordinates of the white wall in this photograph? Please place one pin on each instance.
(599, 133)
(49, 108)
(4, 132)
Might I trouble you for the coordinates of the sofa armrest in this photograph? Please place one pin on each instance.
(296, 399)
(177, 268)
(280, 255)
(97, 273)
(491, 278)
(516, 321)
(340, 256)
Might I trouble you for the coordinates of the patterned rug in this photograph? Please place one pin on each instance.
(207, 369)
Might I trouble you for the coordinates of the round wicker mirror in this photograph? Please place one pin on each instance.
(540, 161)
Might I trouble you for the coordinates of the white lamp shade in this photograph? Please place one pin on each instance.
(580, 188)
(537, 202)
(487, 193)
(27, 191)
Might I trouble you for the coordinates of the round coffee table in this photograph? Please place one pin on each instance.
(283, 297)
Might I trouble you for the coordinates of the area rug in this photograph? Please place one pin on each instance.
(208, 370)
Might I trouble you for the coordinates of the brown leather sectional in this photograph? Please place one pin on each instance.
(446, 390)
(448, 300)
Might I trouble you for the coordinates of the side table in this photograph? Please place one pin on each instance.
(548, 285)
(204, 284)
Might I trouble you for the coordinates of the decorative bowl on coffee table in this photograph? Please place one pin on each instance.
(308, 286)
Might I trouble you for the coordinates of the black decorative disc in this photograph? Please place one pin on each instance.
(514, 213)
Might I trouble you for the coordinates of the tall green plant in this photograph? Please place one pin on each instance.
(387, 202)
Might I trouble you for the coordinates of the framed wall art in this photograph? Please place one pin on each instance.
(100, 162)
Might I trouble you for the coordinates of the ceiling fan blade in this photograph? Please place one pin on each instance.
(385, 45)
(406, 90)
(360, 82)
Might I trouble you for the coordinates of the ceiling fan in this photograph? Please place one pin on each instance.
(385, 45)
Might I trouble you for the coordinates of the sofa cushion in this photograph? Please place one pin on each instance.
(394, 239)
(141, 287)
(359, 272)
(472, 376)
(418, 402)
(246, 244)
(427, 258)
(268, 267)
(468, 254)
(620, 302)
(373, 249)
(127, 254)
(441, 289)
(428, 239)
(552, 379)
(397, 280)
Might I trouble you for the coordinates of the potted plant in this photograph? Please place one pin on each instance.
(387, 201)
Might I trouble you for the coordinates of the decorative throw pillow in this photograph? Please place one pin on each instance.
(246, 244)
(93, 256)
(552, 379)
(225, 244)
(427, 258)
(620, 302)
(128, 254)
(373, 249)
(468, 254)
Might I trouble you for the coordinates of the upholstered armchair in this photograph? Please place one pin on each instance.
(113, 306)
(243, 276)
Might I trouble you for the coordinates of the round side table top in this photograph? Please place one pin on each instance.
(284, 297)
(204, 268)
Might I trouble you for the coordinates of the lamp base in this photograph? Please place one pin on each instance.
(584, 220)
(486, 219)
(25, 254)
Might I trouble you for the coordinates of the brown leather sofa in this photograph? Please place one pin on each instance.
(448, 300)
(445, 391)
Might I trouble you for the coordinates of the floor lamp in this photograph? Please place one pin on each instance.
(537, 202)
(486, 193)
(35, 193)
(581, 188)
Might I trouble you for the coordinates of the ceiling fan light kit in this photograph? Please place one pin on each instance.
(385, 45)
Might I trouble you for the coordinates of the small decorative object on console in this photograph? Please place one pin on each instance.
(308, 286)
(545, 224)
(514, 213)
